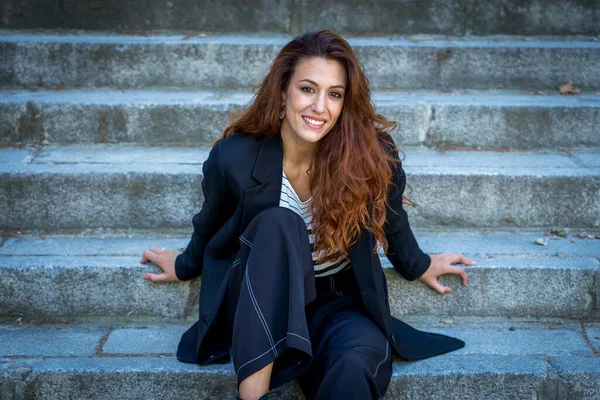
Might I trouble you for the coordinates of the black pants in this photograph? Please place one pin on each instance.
(314, 329)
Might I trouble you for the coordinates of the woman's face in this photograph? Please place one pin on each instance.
(314, 98)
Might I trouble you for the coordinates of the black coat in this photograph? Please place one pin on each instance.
(242, 177)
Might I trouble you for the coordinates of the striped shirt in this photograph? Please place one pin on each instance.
(289, 199)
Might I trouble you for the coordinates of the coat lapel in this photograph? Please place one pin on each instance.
(267, 174)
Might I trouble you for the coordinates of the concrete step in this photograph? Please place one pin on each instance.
(503, 359)
(85, 276)
(240, 62)
(58, 188)
(480, 119)
(448, 17)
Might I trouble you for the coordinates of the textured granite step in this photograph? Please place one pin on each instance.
(86, 276)
(240, 62)
(449, 17)
(503, 359)
(463, 118)
(57, 188)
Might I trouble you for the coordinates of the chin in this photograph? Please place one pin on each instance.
(312, 137)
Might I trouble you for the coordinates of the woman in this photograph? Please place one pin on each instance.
(298, 194)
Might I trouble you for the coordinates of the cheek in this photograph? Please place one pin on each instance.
(337, 111)
(296, 101)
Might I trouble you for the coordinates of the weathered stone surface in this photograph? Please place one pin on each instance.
(146, 340)
(498, 119)
(129, 187)
(86, 192)
(77, 286)
(505, 286)
(472, 242)
(480, 186)
(203, 15)
(524, 339)
(34, 341)
(582, 375)
(589, 159)
(13, 374)
(130, 378)
(60, 288)
(593, 334)
(240, 62)
(518, 341)
(470, 376)
(119, 157)
(89, 246)
(384, 16)
(488, 119)
(448, 17)
(510, 364)
(16, 156)
(145, 117)
(496, 242)
(467, 377)
(536, 17)
(489, 377)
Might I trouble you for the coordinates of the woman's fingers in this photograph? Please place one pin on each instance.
(437, 286)
(461, 259)
(453, 269)
(150, 256)
(443, 264)
(165, 260)
(156, 277)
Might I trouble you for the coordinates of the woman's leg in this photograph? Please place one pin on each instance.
(271, 284)
(352, 359)
(256, 384)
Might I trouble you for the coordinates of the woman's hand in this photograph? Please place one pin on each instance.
(165, 259)
(442, 264)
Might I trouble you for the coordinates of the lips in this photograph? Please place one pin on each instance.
(314, 123)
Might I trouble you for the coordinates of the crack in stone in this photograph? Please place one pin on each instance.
(554, 387)
(102, 342)
(587, 339)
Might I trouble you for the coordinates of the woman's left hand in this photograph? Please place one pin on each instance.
(442, 264)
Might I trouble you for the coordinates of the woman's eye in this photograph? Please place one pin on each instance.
(336, 95)
(307, 89)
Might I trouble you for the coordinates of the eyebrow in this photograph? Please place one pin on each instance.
(317, 85)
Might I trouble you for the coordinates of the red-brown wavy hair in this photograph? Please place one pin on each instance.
(350, 177)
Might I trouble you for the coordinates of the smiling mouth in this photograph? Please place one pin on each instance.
(314, 122)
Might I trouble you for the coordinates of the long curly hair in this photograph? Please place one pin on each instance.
(350, 176)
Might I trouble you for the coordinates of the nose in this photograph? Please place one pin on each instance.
(318, 105)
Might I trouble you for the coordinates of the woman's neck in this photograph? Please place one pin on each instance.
(297, 154)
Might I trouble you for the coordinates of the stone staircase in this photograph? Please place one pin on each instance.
(108, 110)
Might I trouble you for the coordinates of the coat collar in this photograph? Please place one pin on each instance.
(269, 159)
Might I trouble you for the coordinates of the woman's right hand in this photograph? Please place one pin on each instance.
(165, 259)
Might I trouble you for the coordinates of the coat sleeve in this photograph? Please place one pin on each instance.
(211, 217)
(403, 250)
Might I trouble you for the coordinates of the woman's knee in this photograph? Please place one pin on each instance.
(279, 215)
(369, 363)
(372, 359)
(354, 376)
(277, 220)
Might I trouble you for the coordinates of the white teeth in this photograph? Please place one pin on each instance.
(313, 122)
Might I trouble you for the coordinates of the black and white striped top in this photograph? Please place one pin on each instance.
(289, 199)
